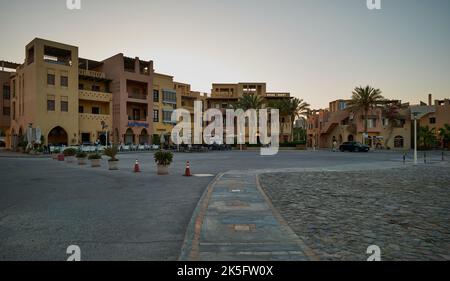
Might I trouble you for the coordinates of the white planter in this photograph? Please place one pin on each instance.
(113, 165)
(81, 161)
(95, 163)
(70, 159)
(163, 170)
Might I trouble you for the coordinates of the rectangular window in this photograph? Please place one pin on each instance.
(80, 86)
(13, 90)
(169, 96)
(155, 95)
(155, 115)
(6, 111)
(80, 109)
(95, 110)
(50, 103)
(371, 123)
(64, 81)
(95, 88)
(432, 120)
(167, 116)
(64, 104)
(6, 92)
(50, 79)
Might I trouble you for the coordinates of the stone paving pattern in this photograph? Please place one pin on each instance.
(405, 211)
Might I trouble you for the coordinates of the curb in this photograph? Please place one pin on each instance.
(189, 250)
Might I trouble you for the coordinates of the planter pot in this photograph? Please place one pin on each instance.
(113, 165)
(81, 161)
(95, 163)
(60, 157)
(55, 156)
(163, 170)
(70, 159)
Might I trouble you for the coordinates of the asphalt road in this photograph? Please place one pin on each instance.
(45, 205)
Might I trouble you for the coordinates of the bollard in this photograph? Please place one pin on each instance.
(425, 158)
(443, 156)
(404, 158)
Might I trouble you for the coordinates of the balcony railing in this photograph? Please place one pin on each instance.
(95, 96)
(137, 96)
(95, 117)
(133, 118)
(92, 73)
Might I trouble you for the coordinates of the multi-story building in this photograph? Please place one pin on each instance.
(7, 69)
(132, 91)
(339, 123)
(223, 96)
(165, 101)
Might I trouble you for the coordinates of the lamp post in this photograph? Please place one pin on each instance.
(105, 127)
(415, 114)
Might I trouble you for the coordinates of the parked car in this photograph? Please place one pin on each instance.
(354, 146)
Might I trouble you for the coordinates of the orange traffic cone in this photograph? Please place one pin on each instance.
(137, 169)
(188, 170)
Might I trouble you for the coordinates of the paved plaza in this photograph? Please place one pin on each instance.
(46, 205)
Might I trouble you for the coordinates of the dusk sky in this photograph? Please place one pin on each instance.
(318, 50)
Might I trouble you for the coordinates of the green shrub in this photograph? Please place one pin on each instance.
(156, 139)
(111, 152)
(70, 152)
(81, 154)
(164, 158)
(95, 156)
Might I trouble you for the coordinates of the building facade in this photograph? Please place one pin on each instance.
(339, 123)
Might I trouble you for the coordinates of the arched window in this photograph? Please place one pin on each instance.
(398, 142)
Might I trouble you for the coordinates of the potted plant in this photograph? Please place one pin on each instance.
(81, 156)
(111, 152)
(69, 154)
(163, 159)
(95, 159)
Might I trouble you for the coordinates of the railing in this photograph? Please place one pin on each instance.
(95, 96)
(95, 117)
(92, 73)
(137, 96)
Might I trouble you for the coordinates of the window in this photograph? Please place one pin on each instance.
(95, 110)
(30, 55)
(155, 95)
(167, 116)
(155, 115)
(64, 81)
(13, 90)
(6, 92)
(80, 109)
(385, 122)
(95, 88)
(6, 111)
(371, 123)
(342, 105)
(80, 86)
(64, 104)
(169, 96)
(50, 79)
(398, 142)
(433, 120)
(50, 103)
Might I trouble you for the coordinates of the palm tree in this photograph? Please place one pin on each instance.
(426, 137)
(250, 101)
(364, 99)
(293, 107)
(445, 135)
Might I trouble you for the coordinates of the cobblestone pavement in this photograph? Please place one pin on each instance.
(404, 211)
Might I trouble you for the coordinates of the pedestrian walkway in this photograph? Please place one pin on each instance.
(235, 221)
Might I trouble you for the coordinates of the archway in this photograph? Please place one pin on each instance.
(144, 137)
(57, 136)
(350, 138)
(129, 137)
(399, 142)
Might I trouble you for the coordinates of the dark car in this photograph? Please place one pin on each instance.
(354, 146)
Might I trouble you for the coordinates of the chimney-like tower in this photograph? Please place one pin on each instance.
(430, 99)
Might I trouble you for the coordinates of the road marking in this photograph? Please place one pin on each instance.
(203, 175)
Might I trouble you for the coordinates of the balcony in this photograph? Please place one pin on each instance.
(137, 97)
(92, 74)
(94, 96)
(94, 117)
(278, 95)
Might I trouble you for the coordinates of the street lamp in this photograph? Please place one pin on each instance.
(415, 114)
(105, 127)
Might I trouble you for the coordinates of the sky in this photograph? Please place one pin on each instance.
(318, 50)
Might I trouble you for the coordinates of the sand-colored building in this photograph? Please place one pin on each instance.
(225, 95)
(7, 69)
(339, 123)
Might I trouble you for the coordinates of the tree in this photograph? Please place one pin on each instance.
(292, 107)
(364, 99)
(426, 137)
(444, 133)
(251, 101)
